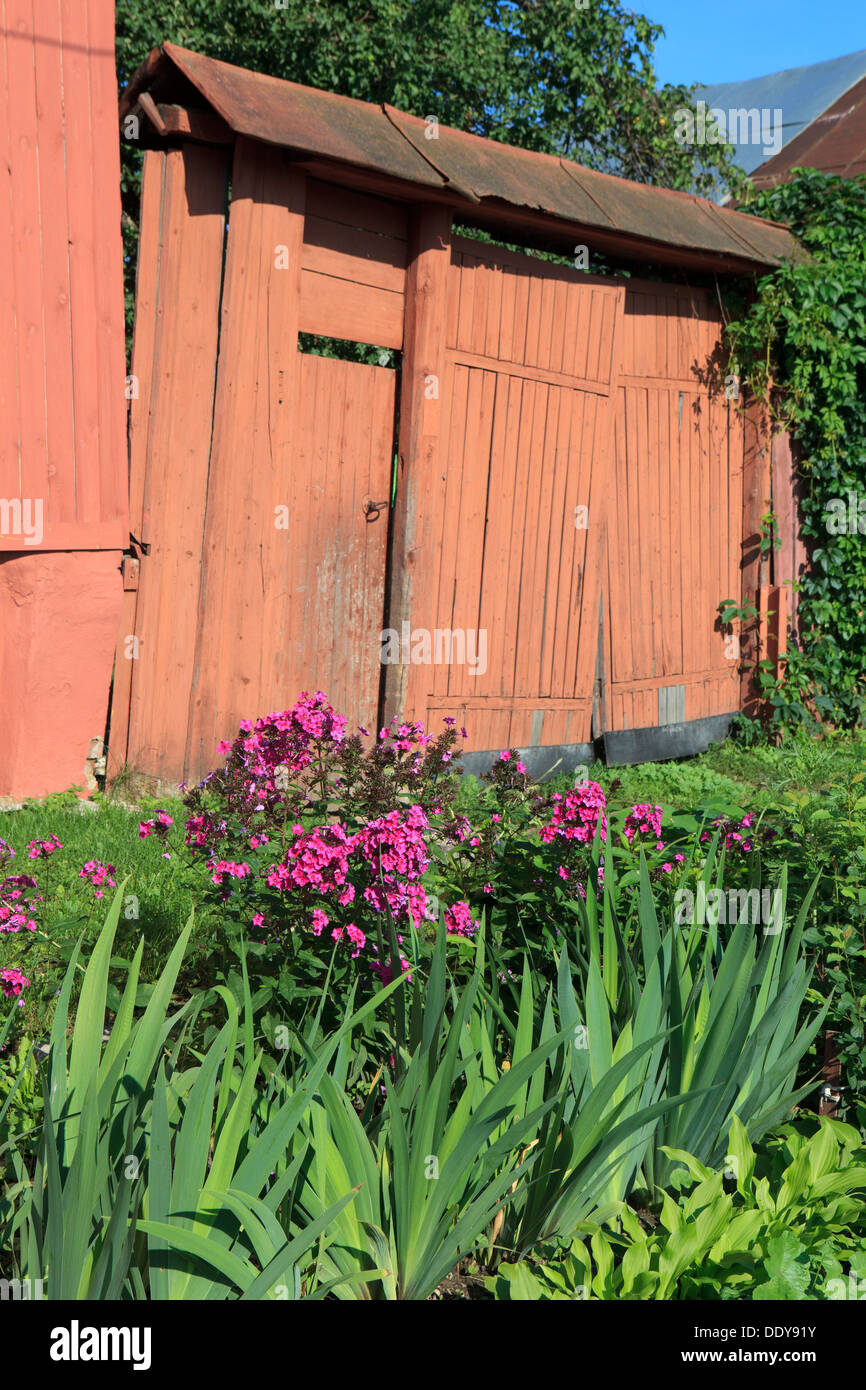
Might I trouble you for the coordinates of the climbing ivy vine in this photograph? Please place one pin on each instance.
(799, 344)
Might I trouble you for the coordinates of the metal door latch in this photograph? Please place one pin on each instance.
(372, 509)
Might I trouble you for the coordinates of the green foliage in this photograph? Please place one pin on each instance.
(778, 1225)
(800, 344)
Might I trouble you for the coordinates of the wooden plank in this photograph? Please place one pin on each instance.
(72, 535)
(533, 347)
(572, 341)
(529, 373)
(753, 570)
(144, 336)
(104, 153)
(594, 562)
(573, 545)
(10, 473)
(193, 124)
(467, 276)
(672, 633)
(26, 466)
(499, 531)
(180, 397)
(560, 547)
(619, 597)
(258, 369)
(562, 294)
(436, 589)
(59, 487)
(341, 204)
(529, 403)
(83, 254)
(483, 277)
(467, 573)
(143, 373)
(419, 465)
(336, 308)
(350, 253)
(525, 678)
(550, 520)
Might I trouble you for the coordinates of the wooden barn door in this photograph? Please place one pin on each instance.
(674, 533)
(506, 533)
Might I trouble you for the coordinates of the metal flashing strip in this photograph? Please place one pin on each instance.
(655, 745)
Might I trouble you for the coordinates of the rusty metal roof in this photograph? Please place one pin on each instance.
(468, 168)
(834, 142)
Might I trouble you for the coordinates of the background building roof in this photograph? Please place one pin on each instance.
(802, 95)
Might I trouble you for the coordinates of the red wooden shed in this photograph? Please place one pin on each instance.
(526, 518)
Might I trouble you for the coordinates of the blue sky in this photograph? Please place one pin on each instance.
(728, 40)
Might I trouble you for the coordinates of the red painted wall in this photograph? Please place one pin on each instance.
(63, 457)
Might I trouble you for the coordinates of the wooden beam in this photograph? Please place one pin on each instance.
(419, 448)
(193, 124)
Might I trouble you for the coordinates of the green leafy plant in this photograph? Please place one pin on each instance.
(734, 1233)
(800, 346)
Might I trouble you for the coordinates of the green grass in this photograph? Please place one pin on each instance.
(753, 778)
(156, 902)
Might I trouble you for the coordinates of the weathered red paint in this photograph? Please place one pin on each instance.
(58, 620)
(62, 398)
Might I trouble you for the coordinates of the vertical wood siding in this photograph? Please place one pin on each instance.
(675, 526)
(62, 405)
(531, 359)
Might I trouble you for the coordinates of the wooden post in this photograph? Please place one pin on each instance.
(237, 639)
(423, 385)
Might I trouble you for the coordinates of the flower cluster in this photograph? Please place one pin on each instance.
(223, 869)
(318, 860)
(385, 969)
(18, 903)
(386, 858)
(733, 833)
(459, 920)
(203, 830)
(577, 815)
(158, 825)
(643, 820)
(98, 874)
(41, 849)
(394, 848)
(12, 982)
(268, 753)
